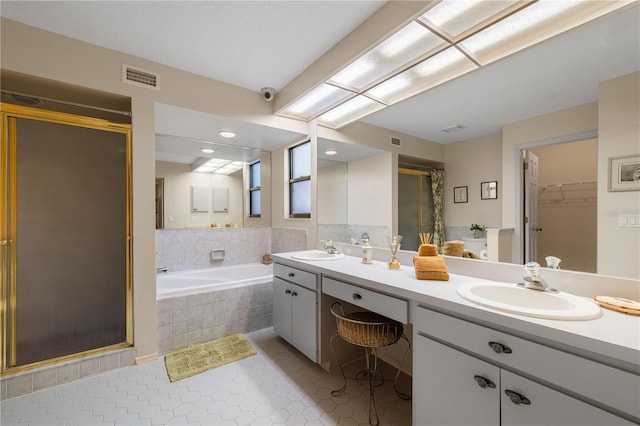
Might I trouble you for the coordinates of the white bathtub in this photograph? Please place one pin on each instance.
(196, 281)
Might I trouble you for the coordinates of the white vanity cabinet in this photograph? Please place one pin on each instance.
(467, 374)
(295, 300)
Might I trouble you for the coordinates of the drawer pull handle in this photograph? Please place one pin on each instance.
(499, 348)
(517, 398)
(356, 296)
(287, 291)
(293, 293)
(291, 275)
(483, 382)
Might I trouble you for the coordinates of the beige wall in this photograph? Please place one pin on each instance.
(42, 54)
(370, 191)
(562, 126)
(178, 180)
(569, 225)
(468, 164)
(618, 135)
(333, 194)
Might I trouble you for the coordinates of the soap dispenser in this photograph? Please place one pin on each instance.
(367, 252)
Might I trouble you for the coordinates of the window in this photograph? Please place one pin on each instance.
(300, 180)
(254, 189)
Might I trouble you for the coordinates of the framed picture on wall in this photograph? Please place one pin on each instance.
(460, 194)
(624, 173)
(489, 190)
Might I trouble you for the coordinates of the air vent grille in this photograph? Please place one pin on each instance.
(140, 77)
(395, 141)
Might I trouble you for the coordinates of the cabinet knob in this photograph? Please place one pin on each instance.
(499, 348)
(356, 296)
(291, 275)
(293, 293)
(483, 382)
(287, 291)
(517, 398)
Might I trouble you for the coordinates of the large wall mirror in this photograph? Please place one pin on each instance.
(217, 194)
(354, 193)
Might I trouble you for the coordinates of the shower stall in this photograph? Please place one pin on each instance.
(65, 235)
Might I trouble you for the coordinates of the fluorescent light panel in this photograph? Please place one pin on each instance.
(436, 70)
(458, 17)
(316, 101)
(453, 20)
(219, 166)
(408, 44)
(349, 111)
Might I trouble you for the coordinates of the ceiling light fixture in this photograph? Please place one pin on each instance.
(207, 150)
(227, 134)
(331, 152)
(451, 39)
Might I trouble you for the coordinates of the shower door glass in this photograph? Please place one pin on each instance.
(415, 206)
(67, 227)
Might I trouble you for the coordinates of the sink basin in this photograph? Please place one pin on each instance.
(316, 255)
(518, 300)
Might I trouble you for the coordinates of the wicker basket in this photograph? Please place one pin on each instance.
(367, 329)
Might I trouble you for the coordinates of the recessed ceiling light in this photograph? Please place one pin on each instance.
(207, 150)
(331, 152)
(226, 134)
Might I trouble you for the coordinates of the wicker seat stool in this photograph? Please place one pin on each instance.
(370, 331)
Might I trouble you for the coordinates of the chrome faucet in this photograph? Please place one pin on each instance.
(163, 269)
(534, 280)
(328, 246)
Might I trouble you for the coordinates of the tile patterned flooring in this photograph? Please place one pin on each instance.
(278, 386)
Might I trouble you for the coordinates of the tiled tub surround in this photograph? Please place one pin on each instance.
(187, 320)
(64, 372)
(184, 249)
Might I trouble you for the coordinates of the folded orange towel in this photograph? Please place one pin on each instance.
(430, 268)
(470, 255)
(428, 250)
(453, 248)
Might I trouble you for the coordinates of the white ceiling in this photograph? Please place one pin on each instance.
(269, 43)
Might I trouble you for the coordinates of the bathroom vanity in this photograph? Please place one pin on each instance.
(477, 365)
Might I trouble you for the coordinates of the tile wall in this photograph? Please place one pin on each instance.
(187, 320)
(378, 235)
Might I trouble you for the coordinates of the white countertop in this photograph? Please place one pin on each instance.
(614, 338)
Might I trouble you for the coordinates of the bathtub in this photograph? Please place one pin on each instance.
(196, 281)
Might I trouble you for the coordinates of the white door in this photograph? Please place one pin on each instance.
(448, 387)
(530, 219)
(282, 308)
(528, 403)
(304, 321)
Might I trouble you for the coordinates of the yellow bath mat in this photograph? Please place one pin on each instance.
(205, 356)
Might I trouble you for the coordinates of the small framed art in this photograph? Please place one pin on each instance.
(624, 173)
(489, 190)
(460, 194)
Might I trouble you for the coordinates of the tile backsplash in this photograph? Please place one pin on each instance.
(184, 249)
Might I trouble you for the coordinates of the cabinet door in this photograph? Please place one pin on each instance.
(547, 406)
(304, 324)
(446, 389)
(282, 308)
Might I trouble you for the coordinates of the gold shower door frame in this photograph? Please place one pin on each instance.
(8, 228)
(419, 174)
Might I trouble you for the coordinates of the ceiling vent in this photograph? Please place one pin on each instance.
(140, 77)
(453, 128)
(395, 141)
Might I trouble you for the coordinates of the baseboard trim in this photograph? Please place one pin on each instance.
(147, 358)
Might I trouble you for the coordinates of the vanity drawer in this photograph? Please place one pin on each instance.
(389, 306)
(599, 382)
(295, 275)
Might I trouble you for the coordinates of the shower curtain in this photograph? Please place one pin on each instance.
(437, 183)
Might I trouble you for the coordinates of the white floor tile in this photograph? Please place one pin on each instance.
(279, 386)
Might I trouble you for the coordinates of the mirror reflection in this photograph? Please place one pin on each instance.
(200, 188)
(203, 173)
(354, 193)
